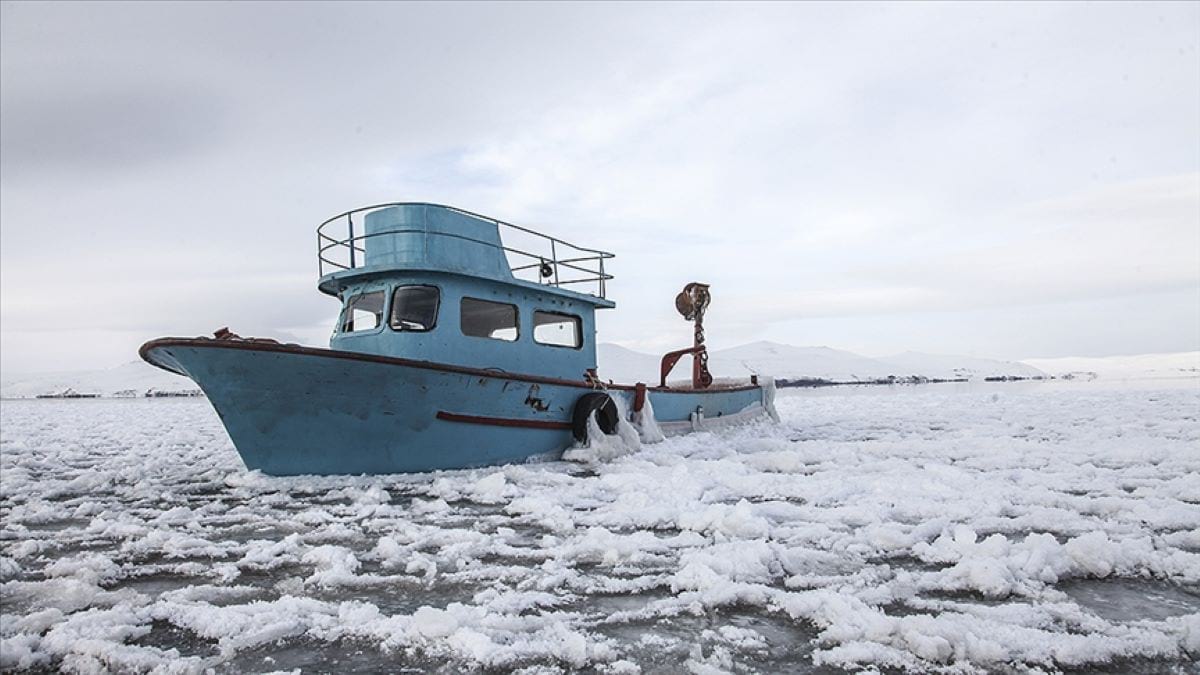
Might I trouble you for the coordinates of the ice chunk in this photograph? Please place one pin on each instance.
(647, 426)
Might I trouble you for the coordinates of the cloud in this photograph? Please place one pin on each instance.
(863, 163)
(82, 135)
(1125, 239)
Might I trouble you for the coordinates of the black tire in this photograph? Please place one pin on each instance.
(606, 414)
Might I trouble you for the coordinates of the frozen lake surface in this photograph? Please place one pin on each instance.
(936, 528)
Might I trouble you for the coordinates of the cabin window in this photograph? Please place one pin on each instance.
(483, 318)
(363, 312)
(414, 308)
(558, 330)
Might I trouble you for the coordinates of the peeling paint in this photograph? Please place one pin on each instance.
(533, 401)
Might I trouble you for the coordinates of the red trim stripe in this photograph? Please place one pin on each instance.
(503, 421)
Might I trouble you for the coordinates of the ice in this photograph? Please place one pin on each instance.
(625, 440)
(925, 529)
(767, 382)
(647, 426)
(490, 489)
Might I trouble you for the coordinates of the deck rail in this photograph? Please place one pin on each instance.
(541, 258)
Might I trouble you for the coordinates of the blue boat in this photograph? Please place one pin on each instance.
(454, 349)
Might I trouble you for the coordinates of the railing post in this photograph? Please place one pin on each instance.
(554, 255)
(350, 231)
(602, 275)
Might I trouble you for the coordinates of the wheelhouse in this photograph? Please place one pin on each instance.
(434, 283)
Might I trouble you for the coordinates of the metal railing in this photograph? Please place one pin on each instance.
(553, 262)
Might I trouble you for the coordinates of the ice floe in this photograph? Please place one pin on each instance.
(930, 531)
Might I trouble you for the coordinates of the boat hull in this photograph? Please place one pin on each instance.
(296, 410)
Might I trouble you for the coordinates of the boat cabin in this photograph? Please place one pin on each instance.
(435, 283)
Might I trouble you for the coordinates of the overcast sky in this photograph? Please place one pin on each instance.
(1016, 180)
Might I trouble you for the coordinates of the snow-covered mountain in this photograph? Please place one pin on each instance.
(623, 365)
(130, 379)
(790, 362)
(620, 364)
(1179, 364)
(810, 363)
(943, 367)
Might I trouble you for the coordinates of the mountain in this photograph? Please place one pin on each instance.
(620, 364)
(623, 365)
(789, 362)
(1141, 366)
(809, 363)
(133, 378)
(942, 367)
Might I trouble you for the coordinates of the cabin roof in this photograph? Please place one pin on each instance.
(388, 239)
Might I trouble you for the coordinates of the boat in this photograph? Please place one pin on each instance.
(455, 348)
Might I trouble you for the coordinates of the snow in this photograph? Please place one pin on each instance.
(787, 361)
(627, 439)
(624, 365)
(942, 367)
(942, 528)
(1178, 364)
(821, 363)
(647, 427)
(130, 379)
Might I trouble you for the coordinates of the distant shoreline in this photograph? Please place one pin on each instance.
(782, 383)
(75, 396)
(915, 379)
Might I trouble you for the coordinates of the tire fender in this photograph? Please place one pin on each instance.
(606, 412)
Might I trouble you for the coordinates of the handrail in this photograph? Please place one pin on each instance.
(546, 266)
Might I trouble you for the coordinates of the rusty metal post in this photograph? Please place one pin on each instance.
(639, 396)
(691, 303)
(700, 357)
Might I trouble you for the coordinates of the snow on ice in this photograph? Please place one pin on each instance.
(932, 530)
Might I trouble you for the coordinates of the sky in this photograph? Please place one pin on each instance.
(1000, 180)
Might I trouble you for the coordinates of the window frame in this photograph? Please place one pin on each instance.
(437, 308)
(385, 311)
(516, 319)
(578, 320)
